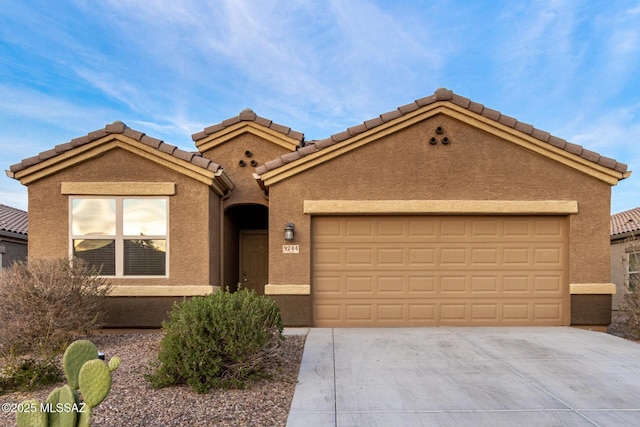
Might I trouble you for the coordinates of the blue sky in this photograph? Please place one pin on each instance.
(171, 68)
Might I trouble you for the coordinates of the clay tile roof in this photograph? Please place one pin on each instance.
(247, 115)
(117, 128)
(13, 220)
(625, 222)
(447, 95)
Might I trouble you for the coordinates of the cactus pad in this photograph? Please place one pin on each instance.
(114, 362)
(66, 415)
(76, 355)
(95, 382)
(84, 420)
(32, 416)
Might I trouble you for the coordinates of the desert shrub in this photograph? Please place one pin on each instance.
(223, 340)
(627, 322)
(19, 373)
(44, 304)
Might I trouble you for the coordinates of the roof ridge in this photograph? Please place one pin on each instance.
(443, 94)
(248, 115)
(2, 205)
(117, 127)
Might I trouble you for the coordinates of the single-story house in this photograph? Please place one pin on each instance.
(441, 212)
(625, 252)
(13, 236)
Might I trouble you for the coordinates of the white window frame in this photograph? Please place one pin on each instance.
(119, 237)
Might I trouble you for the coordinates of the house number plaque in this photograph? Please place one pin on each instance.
(290, 249)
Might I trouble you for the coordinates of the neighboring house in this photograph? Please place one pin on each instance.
(441, 212)
(625, 251)
(13, 236)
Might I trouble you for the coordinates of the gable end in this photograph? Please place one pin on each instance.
(444, 101)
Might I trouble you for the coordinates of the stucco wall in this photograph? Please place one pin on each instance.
(192, 242)
(246, 190)
(619, 267)
(474, 166)
(11, 251)
(230, 153)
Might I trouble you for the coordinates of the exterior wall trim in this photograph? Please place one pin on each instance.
(592, 288)
(119, 188)
(161, 291)
(469, 207)
(287, 289)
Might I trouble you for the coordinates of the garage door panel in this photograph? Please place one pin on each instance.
(548, 284)
(391, 312)
(422, 313)
(485, 312)
(357, 257)
(443, 313)
(422, 257)
(452, 284)
(548, 256)
(420, 285)
(328, 258)
(515, 284)
(438, 271)
(359, 285)
(421, 228)
(547, 228)
(485, 284)
(391, 285)
(328, 285)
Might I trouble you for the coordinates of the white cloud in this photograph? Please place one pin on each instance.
(539, 45)
(615, 130)
(41, 108)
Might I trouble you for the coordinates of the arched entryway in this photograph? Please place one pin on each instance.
(246, 247)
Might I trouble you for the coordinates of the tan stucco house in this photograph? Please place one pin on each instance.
(625, 252)
(441, 212)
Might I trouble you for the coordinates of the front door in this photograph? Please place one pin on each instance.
(254, 260)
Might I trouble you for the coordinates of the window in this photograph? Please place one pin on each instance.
(634, 271)
(122, 236)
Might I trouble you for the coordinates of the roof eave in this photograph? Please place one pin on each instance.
(331, 150)
(633, 234)
(13, 235)
(107, 143)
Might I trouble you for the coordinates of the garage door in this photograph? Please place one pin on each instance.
(426, 270)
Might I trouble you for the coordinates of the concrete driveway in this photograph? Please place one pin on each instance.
(533, 376)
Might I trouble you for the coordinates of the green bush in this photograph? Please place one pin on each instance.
(46, 303)
(222, 340)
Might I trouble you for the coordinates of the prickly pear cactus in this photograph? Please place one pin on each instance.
(63, 415)
(84, 371)
(114, 363)
(95, 382)
(84, 420)
(31, 415)
(75, 356)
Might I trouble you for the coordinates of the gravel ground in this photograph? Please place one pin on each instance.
(132, 403)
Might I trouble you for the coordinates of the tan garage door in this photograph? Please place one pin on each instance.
(426, 270)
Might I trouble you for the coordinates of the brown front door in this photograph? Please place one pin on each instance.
(254, 260)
